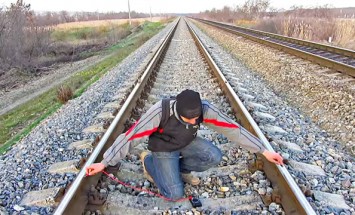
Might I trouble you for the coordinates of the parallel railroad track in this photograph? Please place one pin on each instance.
(339, 59)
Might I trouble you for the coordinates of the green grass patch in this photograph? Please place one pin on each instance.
(17, 123)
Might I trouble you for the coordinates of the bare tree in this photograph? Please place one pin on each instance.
(226, 14)
(13, 35)
(249, 10)
(253, 8)
(25, 37)
(65, 16)
(20, 38)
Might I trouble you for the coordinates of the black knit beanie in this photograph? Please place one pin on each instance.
(188, 104)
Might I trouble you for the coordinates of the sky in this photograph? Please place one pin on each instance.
(163, 6)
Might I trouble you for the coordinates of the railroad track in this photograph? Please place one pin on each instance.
(182, 67)
(170, 81)
(339, 59)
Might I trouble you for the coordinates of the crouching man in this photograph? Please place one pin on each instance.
(175, 148)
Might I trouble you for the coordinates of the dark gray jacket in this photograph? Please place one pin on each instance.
(149, 123)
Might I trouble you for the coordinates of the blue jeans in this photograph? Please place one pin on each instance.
(165, 167)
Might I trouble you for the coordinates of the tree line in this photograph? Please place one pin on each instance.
(25, 36)
(54, 18)
(257, 9)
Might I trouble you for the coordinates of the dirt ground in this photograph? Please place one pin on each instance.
(24, 87)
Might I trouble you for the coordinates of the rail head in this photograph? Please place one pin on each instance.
(303, 206)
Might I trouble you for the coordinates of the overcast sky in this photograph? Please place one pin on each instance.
(163, 6)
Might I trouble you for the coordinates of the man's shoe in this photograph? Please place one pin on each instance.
(190, 179)
(146, 174)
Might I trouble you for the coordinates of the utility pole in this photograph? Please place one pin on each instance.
(150, 9)
(129, 14)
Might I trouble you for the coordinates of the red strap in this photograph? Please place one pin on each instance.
(144, 133)
(219, 123)
(147, 191)
(129, 130)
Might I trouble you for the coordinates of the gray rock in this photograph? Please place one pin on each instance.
(18, 208)
(111, 187)
(273, 206)
(262, 191)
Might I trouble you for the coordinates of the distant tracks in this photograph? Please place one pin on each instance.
(342, 60)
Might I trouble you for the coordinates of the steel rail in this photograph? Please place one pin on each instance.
(292, 198)
(76, 198)
(338, 66)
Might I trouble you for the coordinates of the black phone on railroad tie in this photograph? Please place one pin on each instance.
(195, 202)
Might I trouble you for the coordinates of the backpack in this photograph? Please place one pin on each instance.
(165, 104)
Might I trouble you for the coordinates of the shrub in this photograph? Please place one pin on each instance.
(64, 94)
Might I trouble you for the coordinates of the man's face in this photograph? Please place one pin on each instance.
(191, 121)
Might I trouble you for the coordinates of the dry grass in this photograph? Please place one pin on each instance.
(98, 23)
(64, 94)
(345, 33)
(342, 31)
(245, 23)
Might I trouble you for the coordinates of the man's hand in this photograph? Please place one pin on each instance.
(94, 168)
(273, 157)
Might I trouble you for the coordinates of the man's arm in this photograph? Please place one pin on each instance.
(221, 123)
(144, 127)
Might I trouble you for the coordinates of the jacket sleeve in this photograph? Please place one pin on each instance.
(144, 127)
(221, 123)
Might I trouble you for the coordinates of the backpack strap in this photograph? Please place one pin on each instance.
(165, 104)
